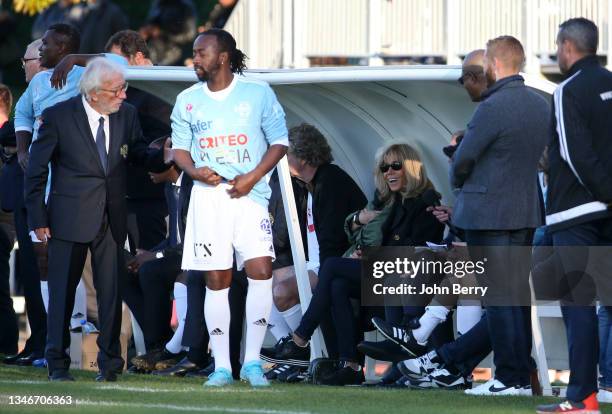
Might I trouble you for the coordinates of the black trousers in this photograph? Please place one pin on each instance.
(195, 334)
(66, 261)
(30, 279)
(573, 245)
(147, 222)
(157, 279)
(339, 282)
(8, 319)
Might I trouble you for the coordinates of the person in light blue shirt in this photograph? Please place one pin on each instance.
(58, 44)
(228, 132)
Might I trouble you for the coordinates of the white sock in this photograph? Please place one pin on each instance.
(276, 323)
(257, 311)
(217, 315)
(293, 316)
(180, 300)
(468, 315)
(433, 316)
(80, 305)
(44, 292)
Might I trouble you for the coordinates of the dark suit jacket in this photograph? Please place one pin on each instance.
(180, 209)
(496, 165)
(80, 190)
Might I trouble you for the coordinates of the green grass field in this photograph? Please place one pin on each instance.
(134, 394)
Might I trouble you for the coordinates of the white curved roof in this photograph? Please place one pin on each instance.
(358, 109)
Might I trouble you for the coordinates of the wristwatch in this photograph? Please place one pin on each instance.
(356, 219)
(159, 255)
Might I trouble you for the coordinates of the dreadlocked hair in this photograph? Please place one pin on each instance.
(227, 43)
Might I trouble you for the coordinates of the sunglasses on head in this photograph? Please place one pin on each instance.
(395, 166)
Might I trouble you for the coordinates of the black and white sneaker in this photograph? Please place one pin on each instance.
(292, 375)
(421, 366)
(401, 336)
(424, 383)
(444, 379)
(276, 370)
(286, 351)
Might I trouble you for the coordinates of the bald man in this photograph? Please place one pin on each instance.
(472, 74)
(494, 172)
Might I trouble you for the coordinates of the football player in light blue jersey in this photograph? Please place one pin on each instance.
(228, 132)
(58, 44)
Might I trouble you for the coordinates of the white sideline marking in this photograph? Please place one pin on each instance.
(182, 389)
(152, 390)
(204, 409)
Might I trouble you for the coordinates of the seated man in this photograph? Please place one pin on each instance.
(331, 196)
(159, 272)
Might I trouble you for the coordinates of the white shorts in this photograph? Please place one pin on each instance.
(217, 226)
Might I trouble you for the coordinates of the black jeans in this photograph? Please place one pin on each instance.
(339, 282)
(466, 352)
(509, 326)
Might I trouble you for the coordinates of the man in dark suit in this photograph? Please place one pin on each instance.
(88, 139)
(495, 173)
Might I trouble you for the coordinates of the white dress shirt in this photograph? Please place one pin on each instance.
(93, 118)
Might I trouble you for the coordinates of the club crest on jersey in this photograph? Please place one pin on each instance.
(243, 109)
(189, 107)
(265, 226)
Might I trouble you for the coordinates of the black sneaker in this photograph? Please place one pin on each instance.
(270, 352)
(276, 370)
(292, 375)
(167, 359)
(383, 351)
(345, 375)
(401, 336)
(148, 361)
(391, 376)
(289, 353)
(444, 379)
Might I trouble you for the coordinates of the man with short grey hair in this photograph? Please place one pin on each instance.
(578, 212)
(88, 140)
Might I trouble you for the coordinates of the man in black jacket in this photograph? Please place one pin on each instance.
(146, 203)
(331, 196)
(579, 197)
(86, 207)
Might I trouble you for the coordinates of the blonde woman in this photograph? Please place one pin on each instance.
(401, 180)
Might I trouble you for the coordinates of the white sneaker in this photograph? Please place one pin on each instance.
(604, 396)
(526, 391)
(419, 367)
(494, 387)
